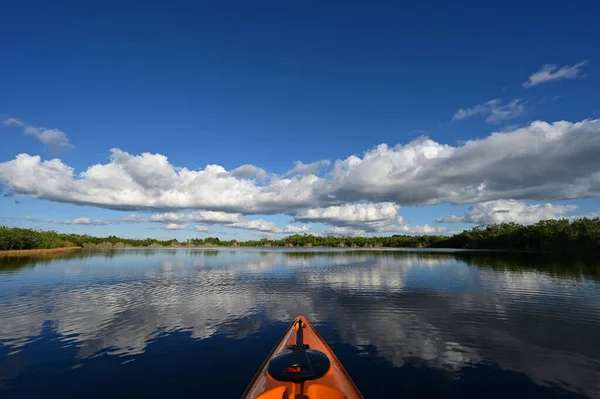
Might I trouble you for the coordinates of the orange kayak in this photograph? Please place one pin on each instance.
(301, 365)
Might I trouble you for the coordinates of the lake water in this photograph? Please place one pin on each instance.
(199, 322)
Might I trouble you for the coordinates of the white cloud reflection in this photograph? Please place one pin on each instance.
(427, 307)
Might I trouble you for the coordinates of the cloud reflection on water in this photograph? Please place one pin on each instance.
(423, 307)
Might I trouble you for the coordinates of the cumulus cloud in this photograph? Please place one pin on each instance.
(364, 219)
(506, 211)
(55, 139)
(250, 172)
(307, 168)
(404, 229)
(175, 226)
(539, 162)
(367, 213)
(495, 110)
(372, 217)
(149, 181)
(550, 72)
(201, 228)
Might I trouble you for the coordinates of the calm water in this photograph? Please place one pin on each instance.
(198, 323)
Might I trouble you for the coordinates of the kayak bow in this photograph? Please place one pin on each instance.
(301, 365)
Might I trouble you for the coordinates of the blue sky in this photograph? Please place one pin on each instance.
(267, 84)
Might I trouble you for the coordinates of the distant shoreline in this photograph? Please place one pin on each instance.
(551, 235)
(29, 252)
(54, 251)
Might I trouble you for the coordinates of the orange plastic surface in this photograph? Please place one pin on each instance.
(275, 393)
(335, 384)
(323, 391)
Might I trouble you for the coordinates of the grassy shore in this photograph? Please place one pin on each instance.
(36, 252)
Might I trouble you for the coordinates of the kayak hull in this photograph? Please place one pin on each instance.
(334, 384)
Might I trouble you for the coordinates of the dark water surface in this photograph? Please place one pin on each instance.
(199, 322)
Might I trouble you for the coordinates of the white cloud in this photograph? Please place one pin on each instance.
(494, 110)
(81, 221)
(451, 219)
(175, 226)
(307, 168)
(207, 217)
(425, 229)
(55, 139)
(13, 122)
(367, 213)
(267, 234)
(364, 219)
(542, 161)
(271, 228)
(250, 172)
(550, 72)
(372, 217)
(506, 211)
(134, 218)
(180, 221)
(399, 229)
(149, 181)
(591, 215)
(232, 220)
(257, 224)
(201, 228)
(421, 330)
(478, 109)
(345, 232)
(539, 162)
(297, 229)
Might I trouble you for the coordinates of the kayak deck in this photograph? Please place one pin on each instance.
(331, 382)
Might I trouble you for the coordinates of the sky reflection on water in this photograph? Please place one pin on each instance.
(387, 314)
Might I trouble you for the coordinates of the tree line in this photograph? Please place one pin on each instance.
(547, 235)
